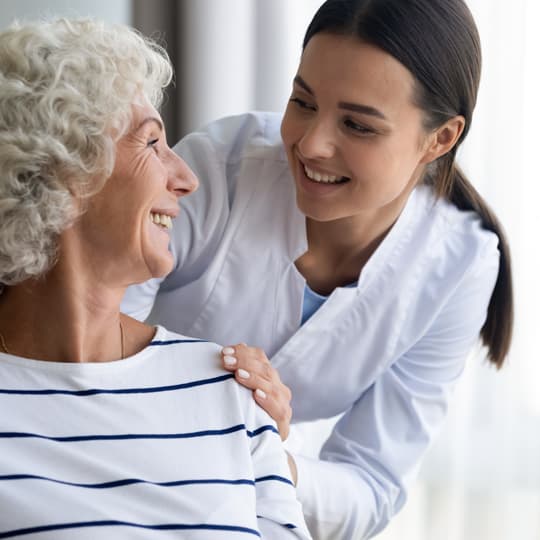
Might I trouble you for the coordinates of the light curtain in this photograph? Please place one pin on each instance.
(231, 56)
(481, 479)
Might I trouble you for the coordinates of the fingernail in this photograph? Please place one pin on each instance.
(243, 374)
(229, 360)
(227, 350)
(260, 393)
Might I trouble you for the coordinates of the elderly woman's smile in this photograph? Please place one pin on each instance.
(138, 202)
(163, 220)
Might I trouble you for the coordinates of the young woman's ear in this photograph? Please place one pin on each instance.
(443, 139)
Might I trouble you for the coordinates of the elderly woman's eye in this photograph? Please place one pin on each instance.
(153, 143)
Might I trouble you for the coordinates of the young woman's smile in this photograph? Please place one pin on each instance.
(315, 180)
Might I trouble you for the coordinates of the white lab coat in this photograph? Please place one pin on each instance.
(386, 353)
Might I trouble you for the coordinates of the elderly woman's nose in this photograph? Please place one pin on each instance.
(181, 180)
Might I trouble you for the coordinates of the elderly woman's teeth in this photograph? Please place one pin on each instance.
(324, 178)
(161, 219)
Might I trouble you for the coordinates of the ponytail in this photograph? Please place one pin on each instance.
(496, 334)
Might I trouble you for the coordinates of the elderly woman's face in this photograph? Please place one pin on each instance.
(128, 221)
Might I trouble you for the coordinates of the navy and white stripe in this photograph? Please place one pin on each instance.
(146, 447)
(94, 391)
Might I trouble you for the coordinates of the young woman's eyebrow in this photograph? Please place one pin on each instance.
(303, 84)
(353, 107)
(362, 109)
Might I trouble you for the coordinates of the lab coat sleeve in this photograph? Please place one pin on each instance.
(279, 513)
(374, 451)
(203, 217)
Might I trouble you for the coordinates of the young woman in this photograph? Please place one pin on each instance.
(344, 242)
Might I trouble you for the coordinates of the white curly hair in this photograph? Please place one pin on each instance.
(66, 91)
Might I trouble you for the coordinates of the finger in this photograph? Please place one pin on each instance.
(248, 353)
(260, 394)
(272, 401)
(253, 370)
(281, 412)
(228, 358)
(250, 359)
(253, 381)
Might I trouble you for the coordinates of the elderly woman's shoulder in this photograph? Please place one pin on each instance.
(164, 338)
(192, 365)
(197, 357)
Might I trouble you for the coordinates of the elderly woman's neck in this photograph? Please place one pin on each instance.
(61, 318)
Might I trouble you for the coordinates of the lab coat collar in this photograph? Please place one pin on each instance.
(389, 249)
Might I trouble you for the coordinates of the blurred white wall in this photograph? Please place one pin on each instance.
(230, 56)
(116, 11)
(216, 52)
(238, 55)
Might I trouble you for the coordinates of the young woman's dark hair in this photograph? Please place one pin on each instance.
(438, 42)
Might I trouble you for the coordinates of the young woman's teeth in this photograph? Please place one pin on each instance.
(323, 178)
(161, 219)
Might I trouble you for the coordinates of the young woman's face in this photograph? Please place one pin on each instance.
(353, 136)
(119, 226)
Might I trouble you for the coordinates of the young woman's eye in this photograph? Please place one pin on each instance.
(358, 128)
(302, 104)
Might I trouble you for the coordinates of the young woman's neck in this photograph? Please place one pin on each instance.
(338, 250)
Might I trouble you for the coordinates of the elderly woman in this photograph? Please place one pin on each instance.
(109, 428)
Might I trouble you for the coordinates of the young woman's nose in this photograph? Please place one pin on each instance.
(181, 180)
(318, 141)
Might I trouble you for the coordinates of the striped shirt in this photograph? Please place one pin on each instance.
(161, 445)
